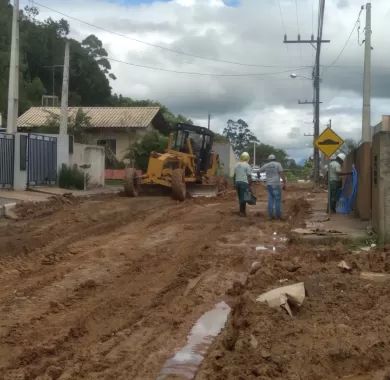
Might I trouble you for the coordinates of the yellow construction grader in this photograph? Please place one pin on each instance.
(188, 165)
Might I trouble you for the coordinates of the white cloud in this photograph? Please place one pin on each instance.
(251, 32)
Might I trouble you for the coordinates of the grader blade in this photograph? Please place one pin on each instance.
(202, 190)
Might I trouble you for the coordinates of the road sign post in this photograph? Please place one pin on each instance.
(329, 142)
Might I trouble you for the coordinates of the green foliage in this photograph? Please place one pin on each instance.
(264, 150)
(42, 44)
(349, 146)
(140, 151)
(239, 135)
(77, 126)
(220, 138)
(71, 178)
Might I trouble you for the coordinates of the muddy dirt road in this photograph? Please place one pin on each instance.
(109, 288)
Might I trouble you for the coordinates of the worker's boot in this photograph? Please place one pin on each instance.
(242, 209)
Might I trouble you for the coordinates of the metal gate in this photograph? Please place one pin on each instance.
(7, 151)
(41, 160)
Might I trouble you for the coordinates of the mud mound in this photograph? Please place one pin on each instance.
(28, 210)
(333, 335)
(298, 207)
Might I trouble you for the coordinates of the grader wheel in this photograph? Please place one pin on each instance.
(131, 183)
(179, 191)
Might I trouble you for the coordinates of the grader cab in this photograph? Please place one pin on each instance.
(188, 165)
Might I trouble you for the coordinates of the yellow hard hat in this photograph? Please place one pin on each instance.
(244, 156)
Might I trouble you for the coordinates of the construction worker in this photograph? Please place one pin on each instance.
(335, 183)
(274, 174)
(242, 180)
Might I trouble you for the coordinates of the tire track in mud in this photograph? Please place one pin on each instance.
(120, 324)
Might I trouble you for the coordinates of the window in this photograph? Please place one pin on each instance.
(109, 145)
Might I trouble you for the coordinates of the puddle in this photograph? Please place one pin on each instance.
(278, 242)
(185, 363)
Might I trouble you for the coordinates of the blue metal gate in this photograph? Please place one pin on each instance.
(7, 151)
(41, 160)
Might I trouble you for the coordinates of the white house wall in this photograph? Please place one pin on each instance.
(90, 155)
(226, 156)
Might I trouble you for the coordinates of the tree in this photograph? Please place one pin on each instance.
(77, 124)
(264, 150)
(140, 151)
(239, 135)
(95, 50)
(349, 146)
(42, 45)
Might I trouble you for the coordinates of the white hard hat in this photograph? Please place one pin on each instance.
(244, 156)
(341, 156)
(271, 157)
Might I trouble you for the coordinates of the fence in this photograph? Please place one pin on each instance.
(41, 160)
(7, 151)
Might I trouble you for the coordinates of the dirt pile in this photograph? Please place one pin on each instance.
(30, 210)
(342, 329)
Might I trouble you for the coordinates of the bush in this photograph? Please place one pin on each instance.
(71, 178)
(150, 142)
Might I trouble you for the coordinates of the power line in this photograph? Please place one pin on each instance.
(296, 12)
(199, 73)
(282, 18)
(312, 17)
(345, 44)
(299, 32)
(152, 44)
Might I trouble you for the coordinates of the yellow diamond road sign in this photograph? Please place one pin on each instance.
(329, 142)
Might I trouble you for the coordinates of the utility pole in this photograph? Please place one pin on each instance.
(208, 123)
(53, 68)
(254, 153)
(316, 82)
(13, 85)
(65, 89)
(366, 117)
(63, 138)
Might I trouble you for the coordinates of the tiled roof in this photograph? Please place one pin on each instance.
(100, 117)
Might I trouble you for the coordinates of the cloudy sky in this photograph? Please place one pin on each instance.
(249, 32)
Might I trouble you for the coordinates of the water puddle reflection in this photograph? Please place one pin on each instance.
(278, 243)
(185, 363)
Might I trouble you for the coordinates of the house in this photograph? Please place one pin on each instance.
(227, 158)
(113, 127)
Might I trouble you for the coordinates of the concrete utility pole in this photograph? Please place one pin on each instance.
(65, 90)
(366, 117)
(254, 153)
(208, 123)
(13, 85)
(63, 138)
(316, 82)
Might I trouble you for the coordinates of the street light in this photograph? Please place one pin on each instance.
(293, 76)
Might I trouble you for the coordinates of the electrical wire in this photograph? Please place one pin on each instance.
(312, 17)
(357, 22)
(155, 45)
(199, 73)
(296, 13)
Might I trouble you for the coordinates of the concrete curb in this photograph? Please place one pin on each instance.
(7, 211)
